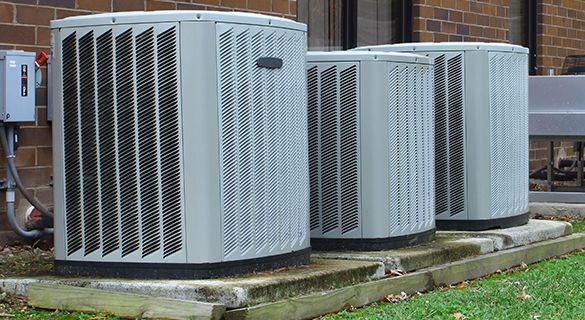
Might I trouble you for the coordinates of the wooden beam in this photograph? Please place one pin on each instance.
(48, 296)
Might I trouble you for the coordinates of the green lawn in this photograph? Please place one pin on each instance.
(555, 290)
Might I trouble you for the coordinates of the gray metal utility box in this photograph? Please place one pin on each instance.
(180, 144)
(17, 86)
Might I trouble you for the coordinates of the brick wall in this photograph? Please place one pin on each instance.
(561, 32)
(24, 24)
(460, 20)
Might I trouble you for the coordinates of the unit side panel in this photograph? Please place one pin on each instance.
(201, 148)
(334, 149)
(477, 151)
(122, 198)
(263, 141)
(508, 143)
(58, 154)
(375, 149)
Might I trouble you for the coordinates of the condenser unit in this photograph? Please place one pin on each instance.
(180, 144)
(481, 132)
(370, 150)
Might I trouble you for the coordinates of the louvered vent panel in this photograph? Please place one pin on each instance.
(396, 179)
(122, 166)
(441, 137)
(449, 129)
(334, 148)
(314, 136)
(456, 134)
(263, 141)
(508, 134)
(411, 155)
(349, 153)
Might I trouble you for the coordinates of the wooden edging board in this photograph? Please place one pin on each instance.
(51, 296)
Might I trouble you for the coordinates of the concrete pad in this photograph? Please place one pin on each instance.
(443, 250)
(533, 231)
(237, 292)
(556, 209)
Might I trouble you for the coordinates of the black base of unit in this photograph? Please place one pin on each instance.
(479, 225)
(376, 244)
(136, 270)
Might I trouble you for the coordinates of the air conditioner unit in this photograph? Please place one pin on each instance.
(481, 132)
(370, 150)
(180, 144)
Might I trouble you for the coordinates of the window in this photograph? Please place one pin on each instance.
(522, 15)
(345, 24)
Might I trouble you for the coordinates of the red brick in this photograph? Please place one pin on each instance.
(38, 176)
(70, 13)
(280, 6)
(152, 5)
(58, 3)
(189, 6)
(95, 5)
(260, 5)
(17, 34)
(44, 156)
(35, 136)
(34, 15)
(6, 12)
(128, 5)
(207, 2)
(43, 36)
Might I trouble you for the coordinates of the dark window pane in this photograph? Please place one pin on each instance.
(518, 22)
(324, 22)
(378, 22)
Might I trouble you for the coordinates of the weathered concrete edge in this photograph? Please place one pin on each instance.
(312, 306)
(230, 295)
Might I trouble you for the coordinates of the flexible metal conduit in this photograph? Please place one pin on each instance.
(13, 176)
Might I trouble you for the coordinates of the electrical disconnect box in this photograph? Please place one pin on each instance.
(17, 86)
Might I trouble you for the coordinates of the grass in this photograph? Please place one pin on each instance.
(555, 289)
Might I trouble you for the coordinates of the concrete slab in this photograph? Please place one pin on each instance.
(533, 231)
(238, 292)
(444, 249)
(556, 209)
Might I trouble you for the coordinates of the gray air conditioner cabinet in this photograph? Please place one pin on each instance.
(370, 150)
(481, 132)
(180, 144)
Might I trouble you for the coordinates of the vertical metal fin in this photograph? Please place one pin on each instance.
(329, 150)
(71, 145)
(107, 143)
(441, 138)
(314, 156)
(147, 143)
(456, 135)
(170, 141)
(349, 152)
(90, 175)
(125, 103)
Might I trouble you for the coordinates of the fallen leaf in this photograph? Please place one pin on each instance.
(459, 315)
(523, 265)
(396, 273)
(394, 298)
(462, 285)
(522, 294)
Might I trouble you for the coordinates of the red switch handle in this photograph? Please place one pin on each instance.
(41, 59)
